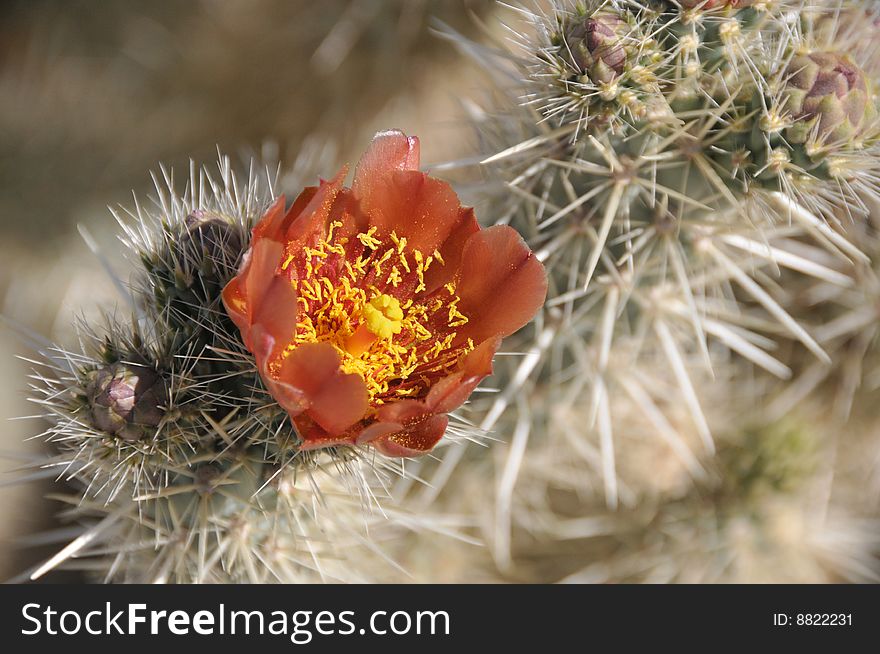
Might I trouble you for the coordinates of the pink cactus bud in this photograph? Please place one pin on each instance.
(126, 400)
(597, 46)
(827, 96)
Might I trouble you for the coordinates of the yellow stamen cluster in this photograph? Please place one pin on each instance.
(346, 292)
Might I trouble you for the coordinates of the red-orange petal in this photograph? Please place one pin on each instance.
(246, 291)
(270, 223)
(260, 272)
(377, 430)
(416, 440)
(236, 304)
(257, 267)
(421, 208)
(277, 314)
(451, 250)
(310, 221)
(336, 400)
(451, 392)
(502, 285)
(403, 411)
(314, 437)
(296, 209)
(289, 397)
(389, 150)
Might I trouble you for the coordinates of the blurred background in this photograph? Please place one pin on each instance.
(94, 95)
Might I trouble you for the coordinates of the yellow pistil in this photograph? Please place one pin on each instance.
(384, 316)
(395, 347)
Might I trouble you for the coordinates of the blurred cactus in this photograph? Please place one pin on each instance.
(781, 501)
(762, 515)
(846, 321)
(673, 164)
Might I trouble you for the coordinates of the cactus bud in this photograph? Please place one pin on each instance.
(211, 236)
(827, 96)
(596, 46)
(197, 259)
(125, 400)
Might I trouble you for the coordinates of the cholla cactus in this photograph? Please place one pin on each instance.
(667, 161)
(185, 467)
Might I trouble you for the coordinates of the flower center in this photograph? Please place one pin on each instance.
(383, 316)
(370, 300)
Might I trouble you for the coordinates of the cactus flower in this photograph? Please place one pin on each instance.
(827, 96)
(374, 310)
